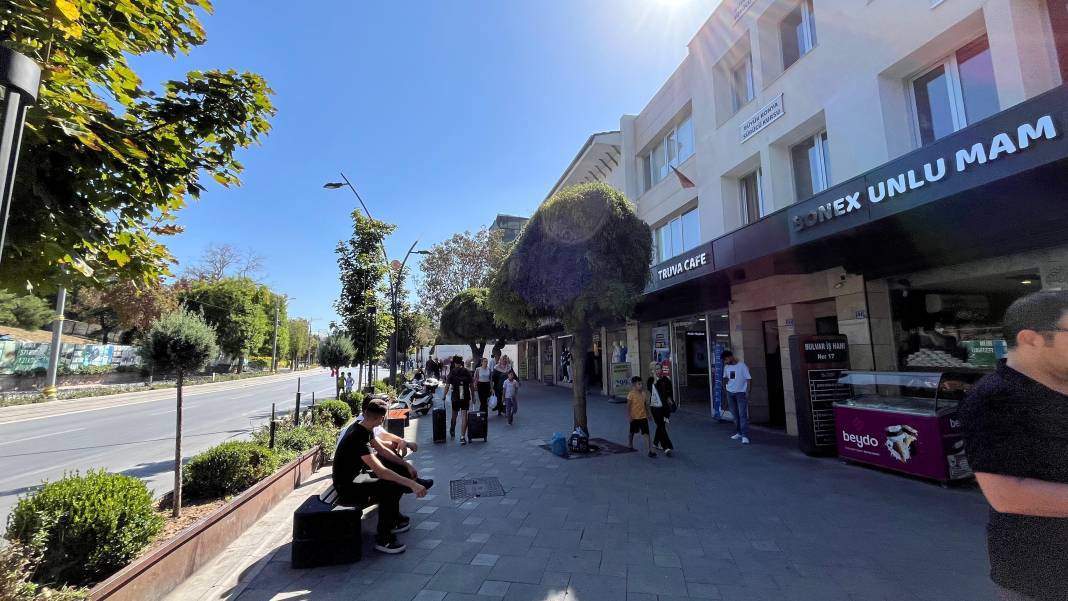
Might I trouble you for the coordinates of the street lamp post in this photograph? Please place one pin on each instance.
(20, 79)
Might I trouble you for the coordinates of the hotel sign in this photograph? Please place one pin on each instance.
(762, 118)
(890, 190)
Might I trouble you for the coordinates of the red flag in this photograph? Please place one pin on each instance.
(684, 181)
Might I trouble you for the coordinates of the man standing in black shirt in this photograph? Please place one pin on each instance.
(383, 486)
(461, 382)
(1016, 435)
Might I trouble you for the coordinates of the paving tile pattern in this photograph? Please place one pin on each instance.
(716, 521)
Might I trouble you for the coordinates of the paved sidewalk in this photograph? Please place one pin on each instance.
(716, 521)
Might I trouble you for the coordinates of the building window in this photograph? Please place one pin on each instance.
(797, 33)
(677, 236)
(958, 91)
(812, 166)
(670, 151)
(742, 83)
(752, 197)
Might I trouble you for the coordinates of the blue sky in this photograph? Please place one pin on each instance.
(442, 113)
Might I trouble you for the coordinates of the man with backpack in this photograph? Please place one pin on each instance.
(461, 383)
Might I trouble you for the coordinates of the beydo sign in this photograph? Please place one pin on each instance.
(1001, 145)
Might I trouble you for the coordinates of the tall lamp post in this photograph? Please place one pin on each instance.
(394, 281)
(20, 79)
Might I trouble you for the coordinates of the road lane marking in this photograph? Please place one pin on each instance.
(41, 436)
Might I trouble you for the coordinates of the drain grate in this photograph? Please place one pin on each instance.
(461, 490)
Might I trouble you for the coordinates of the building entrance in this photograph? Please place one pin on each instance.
(773, 365)
(691, 361)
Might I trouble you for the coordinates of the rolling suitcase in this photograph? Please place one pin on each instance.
(439, 424)
(477, 425)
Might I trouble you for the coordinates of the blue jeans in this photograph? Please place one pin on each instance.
(739, 402)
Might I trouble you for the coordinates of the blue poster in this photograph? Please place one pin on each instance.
(717, 379)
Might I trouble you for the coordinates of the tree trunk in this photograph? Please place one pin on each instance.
(476, 353)
(580, 343)
(176, 501)
(498, 346)
(240, 364)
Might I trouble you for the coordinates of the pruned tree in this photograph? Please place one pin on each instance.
(108, 161)
(468, 319)
(461, 262)
(583, 258)
(336, 351)
(181, 341)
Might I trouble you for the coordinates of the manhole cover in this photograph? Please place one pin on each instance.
(461, 490)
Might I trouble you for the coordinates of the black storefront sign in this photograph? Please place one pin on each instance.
(817, 362)
(687, 266)
(1000, 146)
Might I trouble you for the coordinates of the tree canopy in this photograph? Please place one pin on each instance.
(362, 270)
(233, 307)
(336, 351)
(583, 258)
(462, 261)
(181, 341)
(107, 161)
(468, 319)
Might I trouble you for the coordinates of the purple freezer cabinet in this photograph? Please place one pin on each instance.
(905, 421)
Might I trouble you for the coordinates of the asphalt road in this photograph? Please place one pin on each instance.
(138, 438)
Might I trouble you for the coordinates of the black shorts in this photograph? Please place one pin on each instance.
(639, 426)
(461, 405)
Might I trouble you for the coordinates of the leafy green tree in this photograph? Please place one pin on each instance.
(108, 160)
(181, 341)
(139, 304)
(583, 258)
(234, 307)
(460, 262)
(299, 339)
(362, 270)
(467, 318)
(26, 312)
(336, 351)
(268, 300)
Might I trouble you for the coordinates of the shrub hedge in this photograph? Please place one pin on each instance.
(85, 528)
(228, 469)
(290, 441)
(335, 412)
(17, 563)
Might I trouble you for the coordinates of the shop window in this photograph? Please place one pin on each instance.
(752, 197)
(677, 235)
(797, 33)
(742, 83)
(670, 151)
(957, 91)
(952, 325)
(812, 166)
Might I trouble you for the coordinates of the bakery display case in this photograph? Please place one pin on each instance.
(905, 421)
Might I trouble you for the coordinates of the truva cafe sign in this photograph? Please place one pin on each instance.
(979, 155)
(682, 266)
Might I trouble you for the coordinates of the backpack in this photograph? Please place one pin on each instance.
(579, 442)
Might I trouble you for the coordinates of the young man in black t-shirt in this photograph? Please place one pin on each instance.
(384, 485)
(461, 382)
(1014, 423)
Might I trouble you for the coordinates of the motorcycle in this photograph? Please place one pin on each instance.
(419, 395)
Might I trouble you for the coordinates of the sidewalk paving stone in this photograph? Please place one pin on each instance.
(715, 521)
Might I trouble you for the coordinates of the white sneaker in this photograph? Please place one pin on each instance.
(745, 440)
(736, 436)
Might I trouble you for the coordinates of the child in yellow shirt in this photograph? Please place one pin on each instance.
(637, 399)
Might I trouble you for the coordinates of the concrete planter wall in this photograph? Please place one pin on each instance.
(151, 577)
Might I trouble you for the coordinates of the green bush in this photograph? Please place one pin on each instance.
(32, 313)
(337, 412)
(85, 528)
(227, 469)
(17, 563)
(381, 387)
(291, 441)
(354, 400)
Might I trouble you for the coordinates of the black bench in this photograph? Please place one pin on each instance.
(325, 533)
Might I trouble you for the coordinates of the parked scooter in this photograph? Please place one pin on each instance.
(419, 394)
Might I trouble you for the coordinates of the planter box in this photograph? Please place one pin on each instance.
(151, 577)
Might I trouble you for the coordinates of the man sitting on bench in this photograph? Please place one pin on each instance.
(384, 485)
(395, 443)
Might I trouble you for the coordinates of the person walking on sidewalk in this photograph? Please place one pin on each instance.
(385, 487)
(511, 396)
(1014, 423)
(501, 369)
(484, 379)
(340, 382)
(349, 383)
(736, 378)
(637, 399)
(462, 385)
(661, 405)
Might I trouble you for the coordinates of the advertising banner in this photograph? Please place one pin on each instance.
(21, 357)
(662, 346)
(620, 379)
(717, 378)
(897, 441)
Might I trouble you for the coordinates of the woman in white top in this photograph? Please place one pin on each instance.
(484, 382)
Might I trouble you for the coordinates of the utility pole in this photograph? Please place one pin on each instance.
(50, 389)
(274, 344)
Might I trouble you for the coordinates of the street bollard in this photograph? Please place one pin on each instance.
(274, 426)
(296, 414)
